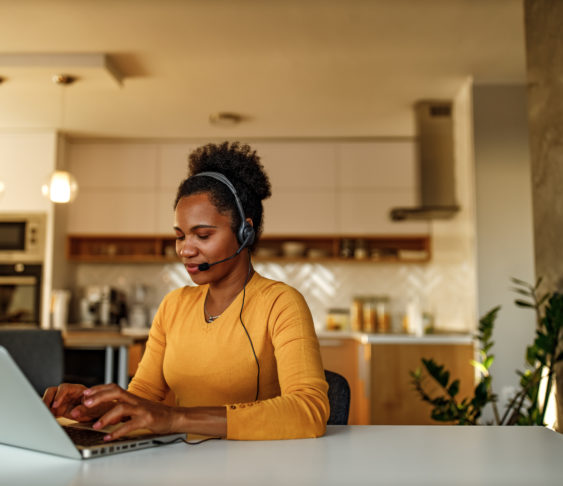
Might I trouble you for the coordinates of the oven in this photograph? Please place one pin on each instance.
(20, 294)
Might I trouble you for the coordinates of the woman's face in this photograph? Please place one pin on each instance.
(203, 235)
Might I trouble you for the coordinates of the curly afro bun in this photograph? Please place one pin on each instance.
(241, 165)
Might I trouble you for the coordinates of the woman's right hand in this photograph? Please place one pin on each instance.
(66, 400)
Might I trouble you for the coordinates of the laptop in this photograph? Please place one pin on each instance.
(26, 422)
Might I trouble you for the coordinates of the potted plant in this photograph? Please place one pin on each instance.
(526, 407)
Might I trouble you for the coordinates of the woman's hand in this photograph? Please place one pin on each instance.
(66, 400)
(139, 413)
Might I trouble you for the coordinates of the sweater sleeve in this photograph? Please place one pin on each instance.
(149, 381)
(302, 409)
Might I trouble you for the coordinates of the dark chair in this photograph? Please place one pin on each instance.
(38, 353)
(338, 397)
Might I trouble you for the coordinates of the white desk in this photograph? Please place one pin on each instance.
(387, 455)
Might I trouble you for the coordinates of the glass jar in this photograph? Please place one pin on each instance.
(338, 320)
(383, 315)
(370, 315)
(357, 314)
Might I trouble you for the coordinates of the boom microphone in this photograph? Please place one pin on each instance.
(202, 267)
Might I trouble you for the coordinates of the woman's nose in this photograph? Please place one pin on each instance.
(185, 248)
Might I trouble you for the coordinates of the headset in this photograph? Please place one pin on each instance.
(245, 233)
(245, 237)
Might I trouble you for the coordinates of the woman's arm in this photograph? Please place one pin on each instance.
(141, 413)
(302, 410)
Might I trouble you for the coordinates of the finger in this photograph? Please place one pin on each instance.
(115, 415)
(66, 392)
(83, 414)
(99, 388)
(125, 429)
(104, 395)
(49, 395)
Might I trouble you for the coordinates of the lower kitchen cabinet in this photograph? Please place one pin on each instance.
(351, 359)
(379, 375)
(393, 399)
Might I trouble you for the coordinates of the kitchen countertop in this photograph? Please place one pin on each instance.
(367, 338)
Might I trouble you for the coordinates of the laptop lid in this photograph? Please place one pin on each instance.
(26, 422)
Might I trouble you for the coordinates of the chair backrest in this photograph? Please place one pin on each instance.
(338, 397)
(38, 353)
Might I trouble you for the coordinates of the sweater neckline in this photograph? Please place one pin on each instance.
(238, 298)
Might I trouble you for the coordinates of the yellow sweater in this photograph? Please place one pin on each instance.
(213, 365)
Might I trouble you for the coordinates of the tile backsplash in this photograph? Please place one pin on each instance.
(444, 289)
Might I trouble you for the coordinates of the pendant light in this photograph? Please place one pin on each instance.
(61, 187)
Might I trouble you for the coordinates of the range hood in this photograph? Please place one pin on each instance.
(434, 123)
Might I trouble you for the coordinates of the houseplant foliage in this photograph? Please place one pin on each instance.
(529, 404)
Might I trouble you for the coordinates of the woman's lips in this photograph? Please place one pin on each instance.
(192, 267)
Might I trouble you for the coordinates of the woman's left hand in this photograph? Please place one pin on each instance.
(141, 413)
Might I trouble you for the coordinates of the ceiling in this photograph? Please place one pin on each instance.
(292, 68)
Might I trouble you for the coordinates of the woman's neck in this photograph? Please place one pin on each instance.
(221, 294)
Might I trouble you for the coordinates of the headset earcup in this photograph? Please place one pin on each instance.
(246, 234)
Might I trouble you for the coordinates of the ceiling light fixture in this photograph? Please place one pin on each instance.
(61, 187)
(225, 119)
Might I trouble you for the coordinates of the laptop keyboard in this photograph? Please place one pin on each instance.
(85, 437)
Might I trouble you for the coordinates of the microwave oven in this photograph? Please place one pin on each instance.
(22, 237)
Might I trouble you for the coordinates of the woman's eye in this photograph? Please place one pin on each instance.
(180, 237)
(203, 237)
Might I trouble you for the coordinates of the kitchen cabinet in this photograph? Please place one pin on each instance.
(378, 367)
(319, 187)
(373, 178)
(350, 358)
(147, 248)
(393, 399)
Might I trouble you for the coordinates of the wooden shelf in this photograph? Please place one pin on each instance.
(314, 249)
(121, 248)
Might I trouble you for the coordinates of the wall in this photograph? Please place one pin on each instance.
(27, 158)
(505, 246)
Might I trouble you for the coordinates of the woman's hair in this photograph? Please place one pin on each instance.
(238, 163)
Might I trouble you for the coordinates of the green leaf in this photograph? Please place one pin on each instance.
(545, 342)
(489, 361)
(531, 355)
(453, 389)
(523, 303)
(520, 282)
(480, 366)
(444, 378)
(521, 291)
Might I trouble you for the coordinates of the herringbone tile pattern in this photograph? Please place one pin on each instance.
(447, 290)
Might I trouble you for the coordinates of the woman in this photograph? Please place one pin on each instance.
(237, 355)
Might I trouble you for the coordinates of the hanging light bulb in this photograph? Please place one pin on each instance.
(61, 187)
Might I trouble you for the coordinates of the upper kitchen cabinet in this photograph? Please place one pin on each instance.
(319, 187)
(374, 177)
(172, 169)
(303, 177)
(116, 188)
